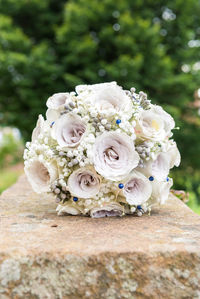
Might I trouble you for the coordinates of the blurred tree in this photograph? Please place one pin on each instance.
(50, 46)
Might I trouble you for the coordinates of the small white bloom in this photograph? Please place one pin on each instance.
(82, 164)
(104, 121)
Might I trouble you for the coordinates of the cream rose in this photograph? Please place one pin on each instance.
(160, 167)
(40, 174)
(68, 209)
(160, 191)
(137, 188)
(57, 100)
(68, 130)
(108, 98)
(154, 124)
(114, 155)
(84, 183)
(110, 210)
(84, 88)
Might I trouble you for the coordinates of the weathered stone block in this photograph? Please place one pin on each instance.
(46, 256)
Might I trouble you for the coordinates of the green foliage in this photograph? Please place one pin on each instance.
(11, 148)
(190, 180)
(7, 178)
(50, 46)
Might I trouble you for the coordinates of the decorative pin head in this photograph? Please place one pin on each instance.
(118, 121)
(151, 178)
(121, 186)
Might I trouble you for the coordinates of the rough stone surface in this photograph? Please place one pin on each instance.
(46, 256)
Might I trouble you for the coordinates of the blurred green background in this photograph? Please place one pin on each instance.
(50, 46)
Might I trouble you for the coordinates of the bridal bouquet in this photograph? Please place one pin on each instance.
(102, 151)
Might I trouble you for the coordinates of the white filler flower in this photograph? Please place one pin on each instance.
(84, 183)
(137, 188)
(114, 155)
(40, 174)
(68, 130)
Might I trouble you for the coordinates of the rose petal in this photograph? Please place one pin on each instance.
(160, 191)
(57, 100)
(38, 129)
(109, 210)
(67, 209)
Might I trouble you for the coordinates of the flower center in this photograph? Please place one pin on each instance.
(86, 181)
(76, 134)
(111, 155)
(43, 173)
(155, 125)
(73, 134)
(133, 186)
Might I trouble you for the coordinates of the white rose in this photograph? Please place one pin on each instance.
(68, 209)
(137, 188)
(154, 124)
(39, 128)
(68, 130)
(175, 157)
(57, 100)
(108, 98)
(160, 191)
(109, 210)
(94, 87)
(164, 161)
(114, 155)
(84, 183)
(40, 174)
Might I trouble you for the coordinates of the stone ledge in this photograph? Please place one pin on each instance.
(46, 256)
